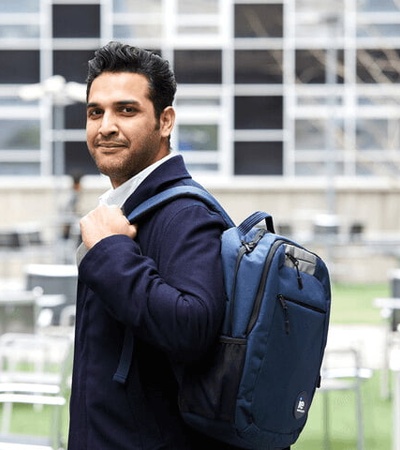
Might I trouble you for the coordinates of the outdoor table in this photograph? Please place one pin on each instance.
(17, 311)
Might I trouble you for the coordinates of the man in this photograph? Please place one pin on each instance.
(161, 278)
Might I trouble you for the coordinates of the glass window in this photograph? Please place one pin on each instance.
(258, 21)
(26, 6)
(198, 101)
(75, 116)
(377, 134)
(16, 101)
(76, 21)
(135, 6)
(198, 137)
(316, 18)
(198, 6)
(318, 168)
(137, 31)
(311, 66)
(19, 31)
(198, 66)
(258, 158)
(72, 64)
(198, 29)
(19, 135)
(319, 100)
(19, 66)
(258, 66)
(378, 66)
(259, 113)
(380, 100)
(19, 168)
(379, 30)
(313, 134)
(378, 5)
(310, 135)
(78, 159)
(201, 167)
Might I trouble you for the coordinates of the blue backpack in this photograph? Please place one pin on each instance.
(255, 388)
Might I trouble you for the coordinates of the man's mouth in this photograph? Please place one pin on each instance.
(109, 144)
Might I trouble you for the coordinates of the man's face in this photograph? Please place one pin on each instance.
(123, 134)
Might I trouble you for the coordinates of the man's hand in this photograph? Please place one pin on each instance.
(105, 221)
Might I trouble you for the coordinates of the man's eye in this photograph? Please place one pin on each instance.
(128, 110)
(94, 113)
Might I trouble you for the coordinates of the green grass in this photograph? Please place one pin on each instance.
(343, 424)
(351, 304)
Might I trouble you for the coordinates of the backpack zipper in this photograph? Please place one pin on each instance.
(245, 249)
(295, 263)
(284, 300)
(261, 286)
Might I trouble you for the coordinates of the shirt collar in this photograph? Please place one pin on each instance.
(119, 195)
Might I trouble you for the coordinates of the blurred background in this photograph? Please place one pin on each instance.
(288, 106)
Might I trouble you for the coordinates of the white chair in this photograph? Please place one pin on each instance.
(342, 371)
(35, 369)
(18, 310)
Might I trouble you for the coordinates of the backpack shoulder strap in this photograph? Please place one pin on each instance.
(140, 211)
(170, 194)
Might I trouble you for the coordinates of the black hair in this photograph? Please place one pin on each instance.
(118, 57)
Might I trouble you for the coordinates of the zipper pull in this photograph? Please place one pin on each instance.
(295, 263)
(283, 303)
(250, 246)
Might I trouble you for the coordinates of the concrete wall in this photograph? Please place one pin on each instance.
(373, 203)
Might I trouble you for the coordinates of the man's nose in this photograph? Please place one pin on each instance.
(108, 124)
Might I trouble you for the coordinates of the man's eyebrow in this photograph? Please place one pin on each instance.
(119, 103)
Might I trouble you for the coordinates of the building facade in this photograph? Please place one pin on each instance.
(287, 88)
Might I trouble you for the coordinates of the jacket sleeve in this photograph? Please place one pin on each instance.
(175, 299)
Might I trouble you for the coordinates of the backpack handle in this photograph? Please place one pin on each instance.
(254, 219)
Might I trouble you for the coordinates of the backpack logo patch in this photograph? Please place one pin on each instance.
(301, 405)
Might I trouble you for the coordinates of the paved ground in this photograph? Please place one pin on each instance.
(369, 340)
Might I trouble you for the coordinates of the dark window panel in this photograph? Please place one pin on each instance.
(76, 21)
(311, 66)
(259, 113)
(78, 159)
(198, 66)
(75, 116)
(258, 158)
(377, 66)
(258, 66)
(72, 64)
(259, 21)
(19, 66)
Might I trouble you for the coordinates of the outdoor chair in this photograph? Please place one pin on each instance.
(35, 370)
(342, 371)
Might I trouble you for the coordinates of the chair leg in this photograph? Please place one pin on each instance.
(6, 417)
(360, 423)
(325, 404)
(385, 374)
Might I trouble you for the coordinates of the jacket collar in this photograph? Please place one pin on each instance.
(171, 173)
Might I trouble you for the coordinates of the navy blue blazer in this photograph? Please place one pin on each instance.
(166, 286)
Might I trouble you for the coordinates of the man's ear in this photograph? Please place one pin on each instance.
(167, 121)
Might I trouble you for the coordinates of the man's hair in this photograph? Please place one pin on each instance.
(116, 57)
